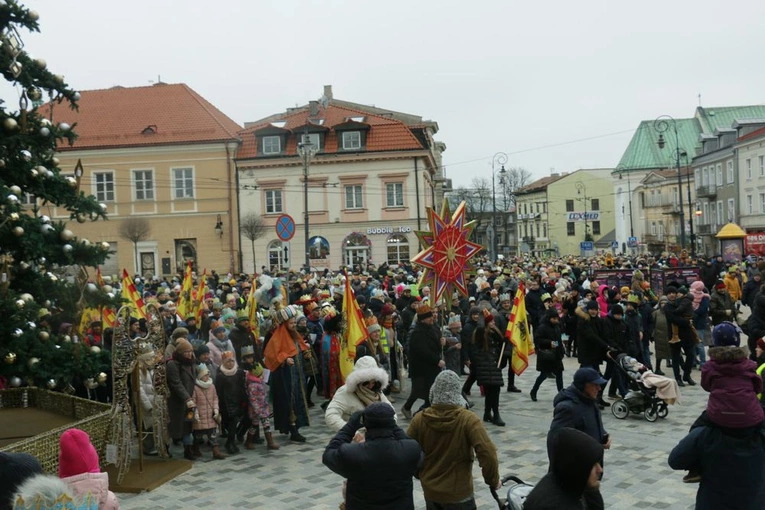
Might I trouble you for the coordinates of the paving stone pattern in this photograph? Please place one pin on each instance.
(636, 470)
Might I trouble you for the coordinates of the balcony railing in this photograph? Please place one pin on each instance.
(706, 191)
(707, 229)
(670, 208)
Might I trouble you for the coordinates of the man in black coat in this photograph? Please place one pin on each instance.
(550, 351)
(379, 465)
(534, 306)
(679, 312)
(593, 346)
(240, 335)
(466, 338)
(709, 274)
(751, 289)
(425, 358)
(574, 472)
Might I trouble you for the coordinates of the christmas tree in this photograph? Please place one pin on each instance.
(44, 283)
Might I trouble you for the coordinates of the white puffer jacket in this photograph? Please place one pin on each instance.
(147, 396)
(345, 402)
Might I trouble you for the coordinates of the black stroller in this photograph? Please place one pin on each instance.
(516, 493)
(640, 399)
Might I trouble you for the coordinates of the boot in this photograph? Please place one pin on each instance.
(231, 445)
(533, 394)
(187, 453)
(487, 416)
(498, 420)
(257, 439)
(196, 451)
(217, 455)
(658, 368)
(271, 444)
(295, 435)
(689, 380)
(249, 442)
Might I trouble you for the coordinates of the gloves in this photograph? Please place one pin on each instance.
(196, 415)
(190, 404)
(355, 420)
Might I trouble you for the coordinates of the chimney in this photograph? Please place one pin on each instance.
(313, 108)
(328, 91)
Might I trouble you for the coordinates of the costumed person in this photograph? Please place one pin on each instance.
(485, 358)
(79, 468)
(362, 387)
(258, 410)
(147, 360)
(285, 358)
(312, 369)
(229, 385)
(206, 413)
(389, 338)
(330, 352)
(180, 381)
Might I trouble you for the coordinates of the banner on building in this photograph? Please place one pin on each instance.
(754, 243)
(583, 216)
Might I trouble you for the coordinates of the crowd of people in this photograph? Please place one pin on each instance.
(231, 378)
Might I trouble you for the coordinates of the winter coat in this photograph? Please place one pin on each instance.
(590, 344)
(661, 334)
(466, 335)
(379, 470)
(180, 382)
(756, 321)
(719, 304)
(206, 400)
(231, 393)
(146, 378)
(634, 323)
(576, 410)
(449, 436)
(548, 337)
(701, 314)
(239, 337)
(534, 306)
(424, 352)
(257, 397)
(485, 358)
(97, 484)
(345, 402)
(731, 463)
(216, 352)
(733, 286)
(614, 332)
(733, 384)
(751, 288)
(709, 275)
(602, 300)
(680, 313)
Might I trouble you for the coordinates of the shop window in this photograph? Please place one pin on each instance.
(277, 256)
(356, 249)
(398, 249)
(318, 248)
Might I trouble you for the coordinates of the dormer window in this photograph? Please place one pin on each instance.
(272, 144)
(351, 140)
(312, 138)
(149, 130)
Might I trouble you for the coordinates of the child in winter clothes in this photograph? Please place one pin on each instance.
(229, 385)
(206, 414)
(258, 408)
(731, 379)
(78, 467)
(219, 343)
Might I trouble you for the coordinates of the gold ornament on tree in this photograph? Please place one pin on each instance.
(10, 358)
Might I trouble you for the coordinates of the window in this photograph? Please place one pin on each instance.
(675, 196)
(653, 198)
(183, 182)
(704, 177)
(273, 201)
(272, 144)
(596, 228)
(27, 199)
(398, 249)
(762, 203)
(748, 169)
(570, 228)
(351, 140)
(144, 184)
(537, 207)
(595, 204)
(498, 221)
(653, 228)
(762, 166)
(395, 194)
(312, 138)
(353, 197)
(749, 204)
(697, 177)
(318, 248)
(544, 230)
(732, 209)
(104, 186)
(479, 239)
(707, 219)
(658, 197)
(277, 255)
(719, 175)
(661, 230)
(730, 172)
(719, 213)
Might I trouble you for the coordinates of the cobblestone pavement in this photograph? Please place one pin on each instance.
(636, 471)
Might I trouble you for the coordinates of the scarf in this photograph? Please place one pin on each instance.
(228, 372)
(220, 344)
(366, 395)
(203, 384)
(387, 321)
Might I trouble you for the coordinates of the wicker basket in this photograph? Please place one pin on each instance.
(92, 417)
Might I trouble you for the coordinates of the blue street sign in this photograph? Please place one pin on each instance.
(285, 227)
(586, 246)
(615, 245)
(632, 242)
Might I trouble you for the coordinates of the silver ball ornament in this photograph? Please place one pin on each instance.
(10, 358)
(52, 277)
(47, 303)
(59, 78)
(14, 216)
(34, 94)
(63, 126)
(13, 200)
(41, 63)
(42, 260)
(105, 246)
(18, 332)
(68, 248)
(32, 362)
(107, 288)
(55, 161)
(10, 124)
(15, 381)
(81, 217)
(33, 172)
(27, 297)
(44, 336)
(15, 190)
(49, 174)
(20, 303)
(34, 16)
(31, 325)
(71, 181)
(24, 265)
(2, 163)
(91, 287)
(77, 96)
(66, 235)
(101, 377)
(103, 207)
(26, 155)
(86, 241)
(18, 231)
(110, 295)
(44, 131)
(66, 339)
(47, 229)
(46, 122)
(45, 218)
(95, 349)
(51, 384)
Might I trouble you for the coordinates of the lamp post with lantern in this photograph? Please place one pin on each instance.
(499, 159)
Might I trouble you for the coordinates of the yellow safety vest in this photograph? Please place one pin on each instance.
(384, 342)
(760, 369)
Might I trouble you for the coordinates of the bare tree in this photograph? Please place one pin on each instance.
(252, 227)
(515, 179)
(135, 230)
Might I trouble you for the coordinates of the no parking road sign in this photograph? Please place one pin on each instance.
(285, 227)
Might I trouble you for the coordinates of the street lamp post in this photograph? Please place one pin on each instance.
(582, 189)
(499, 159)
(629, 199)
(306, 150)
(662, 124)
(690, 208)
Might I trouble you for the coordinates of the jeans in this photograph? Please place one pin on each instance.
(701, 353)
(647, 354)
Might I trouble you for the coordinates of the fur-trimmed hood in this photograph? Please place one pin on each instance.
(44, 492)
(728, 354)
(366, 369)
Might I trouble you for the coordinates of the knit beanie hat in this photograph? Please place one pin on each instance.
(552, 313)
(719, 285)
(15, 468)
(380, 415)
(180, 333)
(447, 389)
(219, 329)
(182, 345)
(201, 351)
(474, 310)
(592, 305)
(77, 455)
(424, 312)
(726, 334)
(372, 325)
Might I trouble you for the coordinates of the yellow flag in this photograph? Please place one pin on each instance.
(355, 330)
(88, 316)
(185, 304)
(130, 293)
(199, 299)
(518, 332)
(252, 308)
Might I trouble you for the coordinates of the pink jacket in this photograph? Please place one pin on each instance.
(206, 400)
(98, 485)
(602, 300)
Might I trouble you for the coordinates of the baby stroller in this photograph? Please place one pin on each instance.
(640, 399)
(516, 493)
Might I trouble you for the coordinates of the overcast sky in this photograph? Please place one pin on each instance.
(555, 84)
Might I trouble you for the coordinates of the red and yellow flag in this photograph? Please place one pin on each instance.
(355, 330)
(252, 308)
(130, 293)
(518, 332)
(199, 301)
(185, 303)
(107, 314)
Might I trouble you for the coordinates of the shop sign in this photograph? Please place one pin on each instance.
(755, 243)
(388, 230)
(583, 216)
